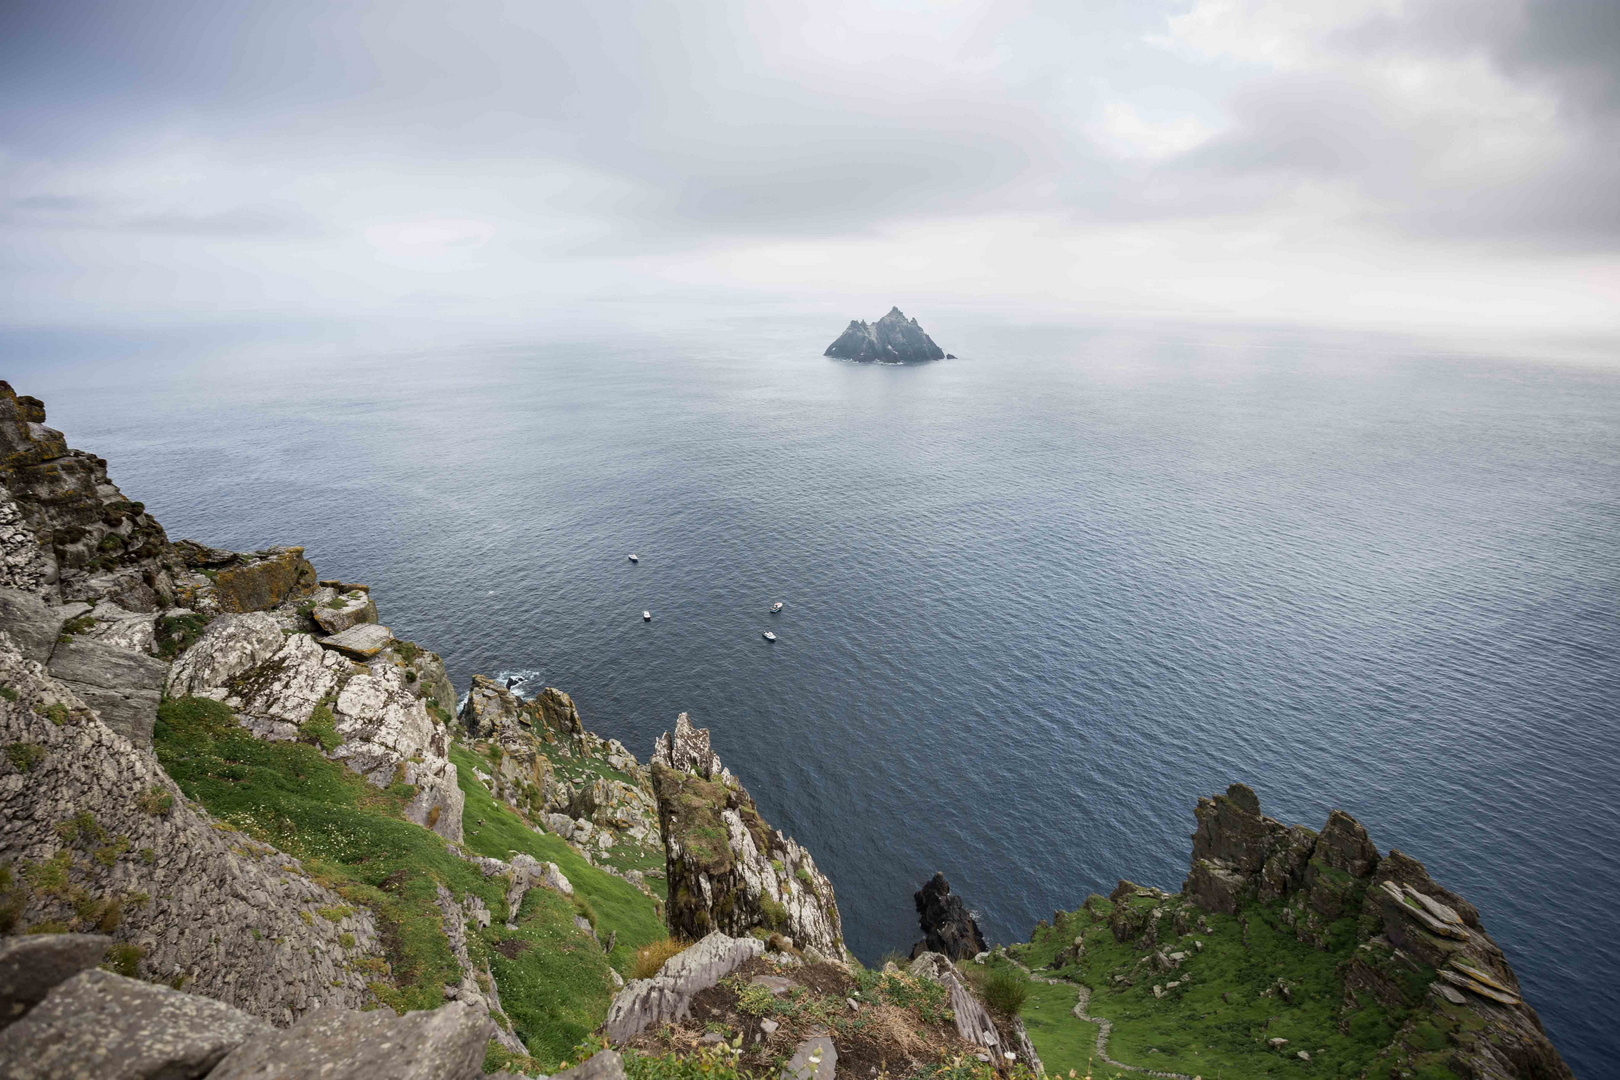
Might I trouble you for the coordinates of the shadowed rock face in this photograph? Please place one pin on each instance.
(946, 923)
(893, 339)
(728, 870)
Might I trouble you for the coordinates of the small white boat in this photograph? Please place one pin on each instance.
(776, 607)
(646, 616)
(634, 558)
(769, 636)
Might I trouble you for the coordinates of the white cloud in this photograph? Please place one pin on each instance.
(1125, 132)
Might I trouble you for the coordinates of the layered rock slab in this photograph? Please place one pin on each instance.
(667, 997)
(341, 1044)
(1401, 915)
(33, 965)
(100, 1026)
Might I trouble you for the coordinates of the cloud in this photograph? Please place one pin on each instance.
(360, 155)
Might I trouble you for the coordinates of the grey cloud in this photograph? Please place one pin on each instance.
(244, 221)
(54, 202)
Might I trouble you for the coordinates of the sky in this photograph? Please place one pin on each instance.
(1391, 164)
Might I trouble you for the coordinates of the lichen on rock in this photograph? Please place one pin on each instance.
(728, 870)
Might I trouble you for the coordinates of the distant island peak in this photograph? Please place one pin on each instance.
(893, 339)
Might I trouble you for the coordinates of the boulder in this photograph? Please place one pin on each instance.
(667, 997)
(947, 925)
(602, 1065)
(30, 966)
(813, 1059)
(104, 1026)
(270, 580)
(229, 647)
(123, 686)
(363, 641)
(892, 339)
(446, 1043)
(344, 611)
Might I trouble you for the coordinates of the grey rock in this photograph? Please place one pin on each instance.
(364, 641)
(667, 997)
(343, 1044)
(123, 686)
(32, 965)
(66, 531)
(236, 919)
(32, 623)
(761, 879)
(354, 608)
(231, 646)
(973, 1020)
(776, 984)
(104, 1026)
(813, 1059)
(892, 339)
(602, 1065)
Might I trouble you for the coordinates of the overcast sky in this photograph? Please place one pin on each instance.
(1432, 163)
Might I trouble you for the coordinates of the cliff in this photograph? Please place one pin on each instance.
(242, 833)
(1289, 947)
(893, 339)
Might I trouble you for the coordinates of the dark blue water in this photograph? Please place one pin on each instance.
(1038, 599)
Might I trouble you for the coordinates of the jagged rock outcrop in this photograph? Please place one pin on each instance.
(947, 925)
(98, 838)
(477, 988)
(65, 529)
(286, 686)
(727, 869)
(893, 339)
(1406, 923)
(667, 997)
(590, 810)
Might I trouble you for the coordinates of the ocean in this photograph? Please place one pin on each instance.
(1038, 599)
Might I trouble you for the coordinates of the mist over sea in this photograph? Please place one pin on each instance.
(1038, 598)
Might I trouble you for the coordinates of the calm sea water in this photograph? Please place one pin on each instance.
(1038, 599)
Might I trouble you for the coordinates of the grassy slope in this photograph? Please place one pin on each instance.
(622, 857)
(1064, 1042)
(618, 905)
(1217, 1025)
(553, 979)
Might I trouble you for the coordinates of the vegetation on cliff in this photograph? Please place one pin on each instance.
(553, 978)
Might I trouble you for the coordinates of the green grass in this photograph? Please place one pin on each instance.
(352, 837)
(176, 633)
(1216, 1025)
(1063, 1041)
(619, 906)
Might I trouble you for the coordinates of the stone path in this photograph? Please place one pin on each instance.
(1104, 1027)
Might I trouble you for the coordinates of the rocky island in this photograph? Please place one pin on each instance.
(893, 339)
(245, 831)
